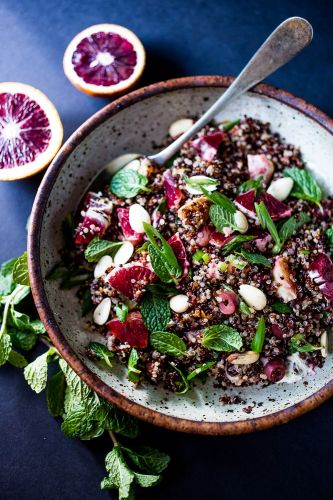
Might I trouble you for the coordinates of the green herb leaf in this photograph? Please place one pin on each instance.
(120, 422)
(200, 369)
(220, 199)
(78, 422)
(236, 243)
(20, 270)
(222, 338)
(87, 304)
(7, 284)
(259, 338)
(156, 312)
(36, 372)
(5, 348)
(305, 187)
(229, 125)
(255, 258)
(290, 226)
(183, 385)
(162, 256)
(168, 343)
(122, 312)
(78, 388)
(120, 476)
(299, 344)
(251, 184)
(101, 353)
(267, 223)
(16, 359)
(133, 373)
(127, 183)
(146, 480)
(148, 459)
(329, 234)
(55, 394)
(162, 289)
(244, 308)
(23, 340)
(281, 307)
(97, 248)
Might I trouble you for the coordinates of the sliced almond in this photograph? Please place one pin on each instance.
(102, 266)
(243, 358)
(178, 127)
(241, 222)
(124, 253)
(137, 215)
(281, 188)
(324, 344)
(102, 312)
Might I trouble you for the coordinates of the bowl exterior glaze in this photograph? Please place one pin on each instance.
(139, 122)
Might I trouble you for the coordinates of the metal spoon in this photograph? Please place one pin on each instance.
(286, 41)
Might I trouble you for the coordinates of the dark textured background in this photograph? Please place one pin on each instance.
(184, 37)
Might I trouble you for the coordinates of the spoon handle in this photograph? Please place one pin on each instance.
(286, 41)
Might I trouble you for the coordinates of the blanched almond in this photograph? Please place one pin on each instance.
(281, 188)
(286, 287)
(102, 312)
(178, 127)
(254, 297)
(102, 265)
(179, 303)
(324, 344)
(124, 253)
(243, 358)
(241, 222)
(137, 215)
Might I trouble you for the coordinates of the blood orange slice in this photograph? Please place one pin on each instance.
(104, 59)
(179, 250)
(30, 131)
(131, 280)
(132, 331)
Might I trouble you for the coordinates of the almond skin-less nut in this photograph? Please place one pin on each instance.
(179, 303)
(243, 358)
(324, 344)
(137, 215)
(241, 222)
(281, 188)
(178, 127)
(286, 287)
(102, 266)
(102, 312)
(254, 297)
(124, 253)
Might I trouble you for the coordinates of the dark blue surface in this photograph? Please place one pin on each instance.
(182, 38)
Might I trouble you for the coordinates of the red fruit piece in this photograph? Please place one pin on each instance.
(321, 269)
(228, 301)
(327, 290)
(132, 330)
(129, 234)
(131, 280)
(96, 212)
(262, 242)
(173, 194)
(219, 239)
(260, 166)
(277, 331)
(276, 209)
(275, 370)
(203, 236)
(179, 250)
(208, 145)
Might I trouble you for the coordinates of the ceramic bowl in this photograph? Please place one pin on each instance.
(139, 122)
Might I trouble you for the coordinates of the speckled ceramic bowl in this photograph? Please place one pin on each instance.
(137, 123)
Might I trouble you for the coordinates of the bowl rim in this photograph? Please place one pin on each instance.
(46, 314)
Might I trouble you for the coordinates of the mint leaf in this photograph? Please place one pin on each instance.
(148, 459)
(200, 369)
(78, 387)
(77, 422)
(290, 226)
(183, 385)
(5, 348)
(55, 394)
(221, 218)
(16, 359)
(251, 184)
(97, 248)
(122, 312)
(222, 338)
(231, 124)
(133, 372)
(236, 243)
(155, 310)
(20, 270)
(259, 338)
(120, 476)
(299, 344)
(305, 187)
(101, 353)
(281, 307)
(146, 480)
(7, 284)
(168, 343)
(127, 183)
(119, 422)
(255, 258)
(36, 372)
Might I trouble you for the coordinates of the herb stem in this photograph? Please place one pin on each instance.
(8, 303)
(113, 438)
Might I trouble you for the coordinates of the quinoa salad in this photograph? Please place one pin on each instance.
(216, 266)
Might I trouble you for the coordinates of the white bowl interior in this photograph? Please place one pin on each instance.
(140, 128)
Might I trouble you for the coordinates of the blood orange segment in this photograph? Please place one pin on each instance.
(96, 215)
(30, 131)
(208, 145)
(104, 59)
(131, 280)
(129, 235)
(276, 209)
(179, 250)
(132, 330)
(172, 192)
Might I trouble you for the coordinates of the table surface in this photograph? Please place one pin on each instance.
(183, 37)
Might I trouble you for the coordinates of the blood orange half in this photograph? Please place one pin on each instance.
(30, 131)
(104, 60)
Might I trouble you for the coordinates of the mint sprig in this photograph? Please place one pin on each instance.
(222, 338)
(128, 183)
(168, 343)
(305, 185)
(298, 343)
